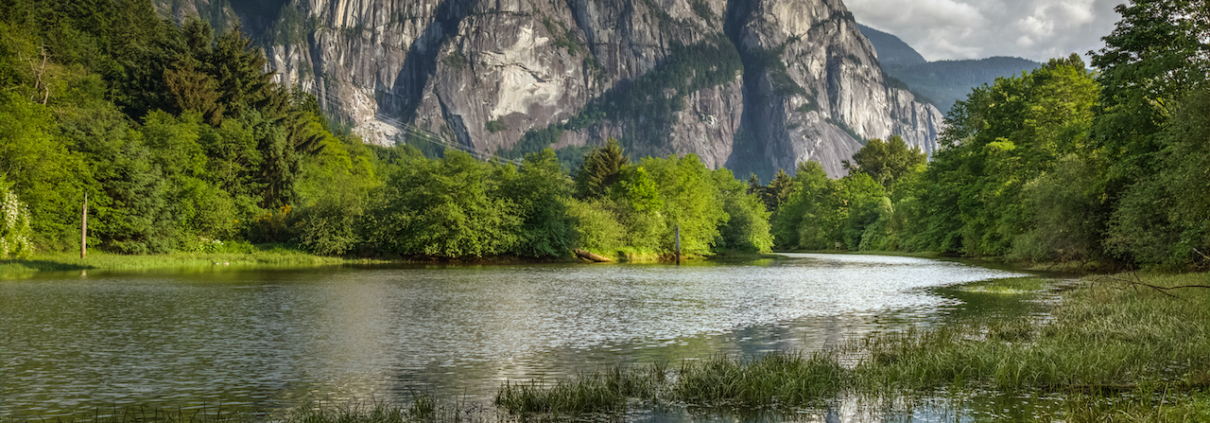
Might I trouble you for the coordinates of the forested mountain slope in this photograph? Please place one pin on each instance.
(943, 82)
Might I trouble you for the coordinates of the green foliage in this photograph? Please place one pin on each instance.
(886, 162)
(999, 139)
(495, 126)
(601, 170)
(747, 227)
(563, 37)
(1164, 218)
(778, 191)
(822, 213)
(702, 10)
(690, 201)
(455, 60)
(596, 225)
(41, 170)
(15, 230)
(1155, 55)
(1151, 126)
(539, 190)
(447, 207)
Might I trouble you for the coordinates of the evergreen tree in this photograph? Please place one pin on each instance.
(600, 170)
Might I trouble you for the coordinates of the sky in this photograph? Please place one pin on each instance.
(973, 29)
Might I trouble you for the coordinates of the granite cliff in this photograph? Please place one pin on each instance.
(754, 85)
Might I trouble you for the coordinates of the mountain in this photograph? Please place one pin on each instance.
(891, 50)
(754, 85)
(942, 82)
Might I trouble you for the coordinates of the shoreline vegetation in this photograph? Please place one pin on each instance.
(286, 257)
(1114, 345)
(1127, 347)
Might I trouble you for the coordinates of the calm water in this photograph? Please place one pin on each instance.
(267, 340)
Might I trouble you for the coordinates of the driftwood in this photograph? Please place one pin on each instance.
(1136, 282)
(590, 256)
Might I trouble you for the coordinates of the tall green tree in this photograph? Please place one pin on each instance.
(447, 208)
(539, 191)
(886, 161)
(999, 139)
(600, 170)
(1157, 52)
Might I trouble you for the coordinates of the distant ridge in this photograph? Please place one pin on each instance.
(891, 50)
(943, 82)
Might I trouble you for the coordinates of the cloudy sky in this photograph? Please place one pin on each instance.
(969, 29)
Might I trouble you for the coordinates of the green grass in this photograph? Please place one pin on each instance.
(59, 262)
(599, 392)
(1012, 286)
(1104, 339)
(783, 379)
(916, 254)
(1166, 407)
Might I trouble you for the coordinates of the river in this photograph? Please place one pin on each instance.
(268, 340)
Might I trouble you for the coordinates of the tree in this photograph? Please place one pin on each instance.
(539, 190)
(40, 169)
(690, 201)
(999, 139)
(15, 232)
(747, 227)
(447, 208)
(600, 170)
(778, 191)
(886, 162)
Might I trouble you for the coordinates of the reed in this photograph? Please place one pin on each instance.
(777, 379)
(598, 392)
(1101, 339)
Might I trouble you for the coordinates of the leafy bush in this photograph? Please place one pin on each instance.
(15, 231)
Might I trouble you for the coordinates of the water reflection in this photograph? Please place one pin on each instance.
(266, 340)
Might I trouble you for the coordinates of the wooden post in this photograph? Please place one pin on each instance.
(84, 229)
(678, 245)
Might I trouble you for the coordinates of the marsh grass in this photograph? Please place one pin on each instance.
(779, 379)
(606, 391)
(273, 257)
(1098, 337)
(1011, 286)
(1101, 340)
(1159, 407)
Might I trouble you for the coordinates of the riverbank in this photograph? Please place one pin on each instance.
(288, 257)
(270, 257)
(1127, 345)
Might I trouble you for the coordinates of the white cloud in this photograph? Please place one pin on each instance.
(966, 29)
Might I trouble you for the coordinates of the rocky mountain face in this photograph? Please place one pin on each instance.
(753, 85)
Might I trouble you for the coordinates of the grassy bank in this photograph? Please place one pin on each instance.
(1107, 340)
(59, 262)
